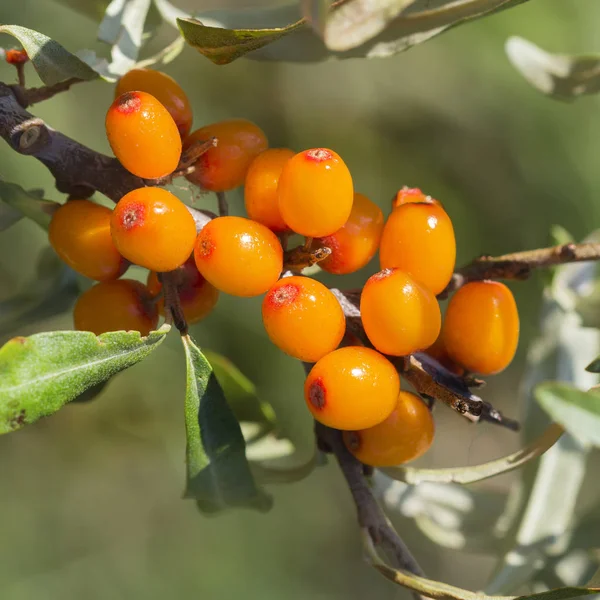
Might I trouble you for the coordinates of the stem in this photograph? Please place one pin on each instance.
(21, 74)
(223, 205)
(173, 308)
(35, 95)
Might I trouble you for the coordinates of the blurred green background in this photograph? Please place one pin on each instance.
(90, 501)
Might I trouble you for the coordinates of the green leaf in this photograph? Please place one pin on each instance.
(223, 46)
(577, 411)
(218, 474)
(8, 216)
(475, 473)
(29, 204)
(41, 373)
(51, 61)
(557, 75)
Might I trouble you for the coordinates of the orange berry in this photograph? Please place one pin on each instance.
(224, 167)
(80, 234)
(123, 304)
(400, 316)
(165, 89)
(15, 57)
(143, 135)
(238, 256)
(260, 187)
(405, 435)
(481, 327)
(439, 351)
(152, 228)
(303, 318)
(315, 192)
(409, 195)
(352, 388)
(197, 296)
(355, 244)
(419, 239)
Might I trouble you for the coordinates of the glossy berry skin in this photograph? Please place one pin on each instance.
(123, 304)
(260, 187)
(16, 57)
(315, 192)
(165, 89)
(197, 296)
(439, 351)
(411, 195)
(143, 135)
(152, 228)
(400, 316)
(352, 388)
(419, 238)
(355, 244)
(238, 256)
(303, 318)
(224, 167)
(404, 436)
(481, 327)
(80, 234)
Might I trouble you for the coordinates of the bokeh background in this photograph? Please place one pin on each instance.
(90, 499)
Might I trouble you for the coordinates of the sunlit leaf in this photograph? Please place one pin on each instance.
(558, 75)
(218, 474)
(29, 204)
(51, 61)
(41, 373)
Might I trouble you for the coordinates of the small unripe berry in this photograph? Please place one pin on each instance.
(165, 89)
(355, 244)
(404, 436)
(315, 192)
(260, 187)
(152, 228)
(303, 318)
(15, 57)
(238, 256)
(352, 388)
(80, 234)
(400, 316)
(123, 304)
(224, 167)
(418, 238)
(143, 135)
(481, 327)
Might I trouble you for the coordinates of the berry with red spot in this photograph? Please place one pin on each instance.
(352, 388)
(303, 318)
(143, 135)
(152, 228)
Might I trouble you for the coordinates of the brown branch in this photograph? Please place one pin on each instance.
(30, 96)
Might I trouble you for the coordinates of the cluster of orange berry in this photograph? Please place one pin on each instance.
(311, 193)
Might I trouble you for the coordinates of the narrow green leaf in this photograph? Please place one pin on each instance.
(51, 61)
(594, 366)
(557, 75)
(577, 411)
(223, 46)
(475, 473)
(218, 474)
(41, 373)
(28, 204)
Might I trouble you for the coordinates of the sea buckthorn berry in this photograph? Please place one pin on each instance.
(15, 57)
(481, 327)
(224, 167)
(315, 192)
(411, 195)
(303, 318)
(123, 304)
(439, 351)
(400, 316)
(152, 228)
(352, 388)
(405, 435)
(238, 256)
(143, 135)
(197, 296)
(165, 89)
(260, 187)
(80, 234)
(419, 238)
(355, 244)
